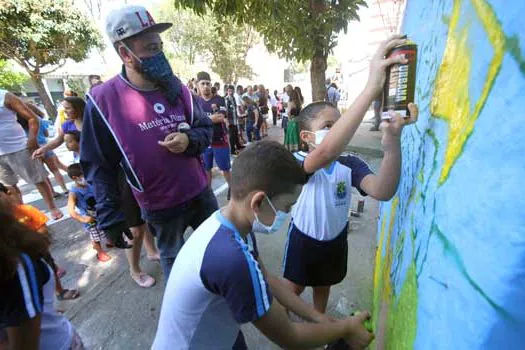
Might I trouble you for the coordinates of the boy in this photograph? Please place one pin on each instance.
(34, 219)
(81, 196)
(218, 280)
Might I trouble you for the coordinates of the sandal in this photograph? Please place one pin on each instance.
(56, 214)
(68, 294)
(144, 280)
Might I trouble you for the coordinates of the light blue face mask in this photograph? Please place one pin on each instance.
(278, 222)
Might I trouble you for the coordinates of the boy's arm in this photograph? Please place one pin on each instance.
(344, 129)
(277, 327)
(383, 186)
(72, 199)
(18, 106)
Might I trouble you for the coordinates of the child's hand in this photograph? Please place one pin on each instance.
(392, 127)
(88, 219)
(378, 65)
(359, 337)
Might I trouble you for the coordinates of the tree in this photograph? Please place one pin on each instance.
(10, 80)
(222, 43)
(298, 30)
(40, 35)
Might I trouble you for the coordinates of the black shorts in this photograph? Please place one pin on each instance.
(129, 206)
(309, 262)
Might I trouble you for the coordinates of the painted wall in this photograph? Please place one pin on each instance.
(450, 266)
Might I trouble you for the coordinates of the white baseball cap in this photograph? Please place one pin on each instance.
(130, 20)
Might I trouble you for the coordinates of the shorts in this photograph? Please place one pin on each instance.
(309, 262)
(221, 155)
(95, 233)
(20, 164)
(242, 124)
(129, 206)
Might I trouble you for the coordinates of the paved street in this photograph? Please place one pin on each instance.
(114, 313)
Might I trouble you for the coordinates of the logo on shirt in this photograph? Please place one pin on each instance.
(159, 108)
(183, 126)
(341, 190)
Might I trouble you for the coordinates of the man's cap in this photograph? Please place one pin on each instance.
(203, 76)
(130, 20)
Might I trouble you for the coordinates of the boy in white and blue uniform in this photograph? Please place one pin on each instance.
(219, 281)
(316, 253)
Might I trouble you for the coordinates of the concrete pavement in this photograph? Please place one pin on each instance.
(114, 313)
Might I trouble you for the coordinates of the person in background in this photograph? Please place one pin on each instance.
(332, 94)
(217, 87)
(36, 221)
(251, 93)
(27, 312)
(215, 108)
(94, 80)
(263, 108)
(50, 159)
(291, 136)
(284, 101)
(241, 114)
(274, 101)
(61, 114)
(233, 121)
(74, 107)
(16, 147)
(297, 89)
(252, 119)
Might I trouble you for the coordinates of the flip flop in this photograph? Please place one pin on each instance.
(56, 214)
(144, 280)
(68, 294)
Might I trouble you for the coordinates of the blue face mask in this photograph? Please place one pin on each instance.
(157, 69)
(278, 222)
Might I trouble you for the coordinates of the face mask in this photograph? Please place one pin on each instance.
(157, 69)
(319, 136)
(280, 218)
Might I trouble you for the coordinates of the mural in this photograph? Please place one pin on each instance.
(450, 264)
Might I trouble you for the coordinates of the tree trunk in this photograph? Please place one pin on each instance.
(42, 92)
(318, 77)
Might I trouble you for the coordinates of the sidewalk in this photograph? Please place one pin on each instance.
(366, 142)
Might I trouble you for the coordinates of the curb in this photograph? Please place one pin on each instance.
(366, 151)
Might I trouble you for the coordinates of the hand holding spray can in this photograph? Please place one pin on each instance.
(400, 84)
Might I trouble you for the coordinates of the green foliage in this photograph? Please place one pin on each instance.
(294, 29)
(222, 43)
(37, 33)
(9, 79)
(78, 85)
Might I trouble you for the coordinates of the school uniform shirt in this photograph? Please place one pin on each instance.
(215, 285)
(31, 292)
(220, 132)
(121, 128)
(321, 211)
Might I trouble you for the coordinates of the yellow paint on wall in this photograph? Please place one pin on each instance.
(451, 100)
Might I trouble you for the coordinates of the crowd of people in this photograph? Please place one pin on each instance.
(144, 146)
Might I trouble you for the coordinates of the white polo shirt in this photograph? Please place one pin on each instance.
(215, 285)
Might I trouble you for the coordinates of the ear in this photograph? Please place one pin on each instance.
(124, 54)
(256, 201)
(305, 136)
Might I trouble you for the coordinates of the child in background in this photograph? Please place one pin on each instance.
(317, 248)
(36, 221)
(72, 141)
(81, 196)
(252, 119)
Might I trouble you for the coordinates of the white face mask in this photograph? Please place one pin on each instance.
(319, 136)
(280, 218)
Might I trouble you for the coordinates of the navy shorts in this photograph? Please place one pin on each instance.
(309, 262)
(221, 156)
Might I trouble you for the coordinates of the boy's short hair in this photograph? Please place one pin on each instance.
(75, 134)
(74, 170)
(311, 112)
(3, 188)
(266, 166)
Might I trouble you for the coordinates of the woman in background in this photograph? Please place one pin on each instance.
(291, 137)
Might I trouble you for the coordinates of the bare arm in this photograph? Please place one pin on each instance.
(56, 142)
(73, 213)
(344, 129)
(26, 336)
(15, 104)
(217, 118)
(383, 186)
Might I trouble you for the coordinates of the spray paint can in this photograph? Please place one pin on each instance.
(400, 84)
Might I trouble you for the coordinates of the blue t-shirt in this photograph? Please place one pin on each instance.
(215, 285)
(41, 137)
(85, 201)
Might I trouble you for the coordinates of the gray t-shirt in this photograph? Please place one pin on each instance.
(12, 135)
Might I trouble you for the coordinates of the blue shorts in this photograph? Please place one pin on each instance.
(309, 262)
(221, 155)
